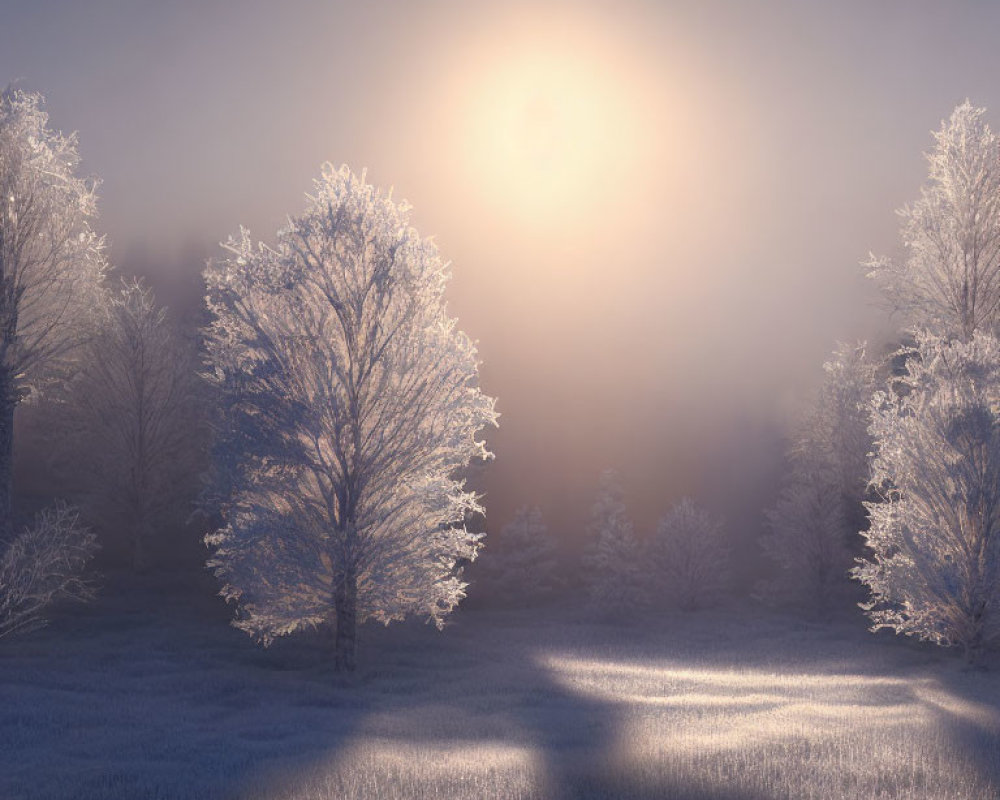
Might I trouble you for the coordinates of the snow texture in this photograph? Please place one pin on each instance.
(148, 695)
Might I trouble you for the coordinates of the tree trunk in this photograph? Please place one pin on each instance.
(8, 402)
(973, 646)
(139, 557)
(973, 651)
(141, 528)
(346, 635)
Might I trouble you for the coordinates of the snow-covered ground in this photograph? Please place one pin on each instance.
(148, 694)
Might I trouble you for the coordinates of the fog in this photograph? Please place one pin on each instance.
(655, 212)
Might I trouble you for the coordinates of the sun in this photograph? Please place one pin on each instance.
(551, 129)
(545, 115)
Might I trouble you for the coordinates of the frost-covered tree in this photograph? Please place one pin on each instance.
(518, 567)
(949, 282)
(51, 262)
(351, 407)
(688, 558)
(807, 537)
(813, 527)
(613, 561)
(42, 565)
(934, 572)
(840, 424)
(132, 415)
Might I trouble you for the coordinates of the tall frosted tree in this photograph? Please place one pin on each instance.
(132, 414)
(934, 572)
(813, 528)
(949, 282)
(689, 558)
(51, 263)
(351, 407)
(518, 567)
(613, 561)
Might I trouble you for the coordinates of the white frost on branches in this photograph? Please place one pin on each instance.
(43, 565)
(351, 406)
(840, 425)
(51, 264)
(935, 535)
(51, 261)
(949, 282)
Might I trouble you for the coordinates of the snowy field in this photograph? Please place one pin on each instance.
(148, 694)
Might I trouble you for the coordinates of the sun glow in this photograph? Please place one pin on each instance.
(554, 129)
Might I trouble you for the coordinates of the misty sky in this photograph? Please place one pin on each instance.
(655, 211)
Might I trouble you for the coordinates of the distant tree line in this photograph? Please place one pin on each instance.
(321, 425)
(683, 565)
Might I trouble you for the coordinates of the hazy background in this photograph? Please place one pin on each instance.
(655, 211)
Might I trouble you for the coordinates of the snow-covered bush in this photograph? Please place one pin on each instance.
(42, 565)
(518, 566)
(689, 558)
(934, 571)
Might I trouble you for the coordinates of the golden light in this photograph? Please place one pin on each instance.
(554, 130)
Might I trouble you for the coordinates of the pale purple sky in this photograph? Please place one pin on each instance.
(661, 308)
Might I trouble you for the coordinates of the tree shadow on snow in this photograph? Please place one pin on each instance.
(968, 710)
(488, 683)
(149, 693)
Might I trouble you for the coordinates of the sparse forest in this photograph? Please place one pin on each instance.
(261, 544)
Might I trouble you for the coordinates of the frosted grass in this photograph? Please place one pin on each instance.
(114, 702)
